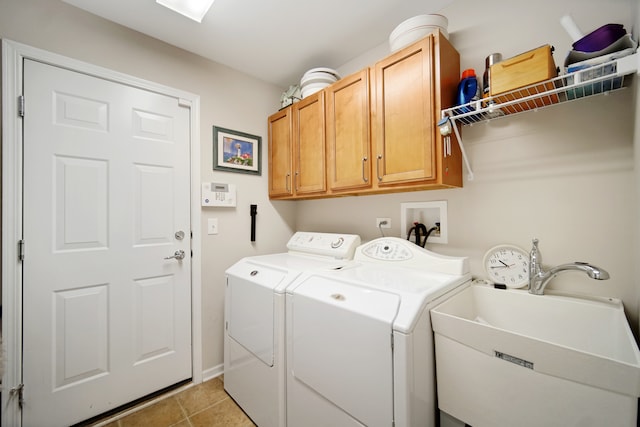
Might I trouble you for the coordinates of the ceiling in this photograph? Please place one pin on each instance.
(273, 40)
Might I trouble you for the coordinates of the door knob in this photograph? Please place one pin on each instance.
(177, 255)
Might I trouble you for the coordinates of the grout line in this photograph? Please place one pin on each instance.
(184, 411)
(209, 407)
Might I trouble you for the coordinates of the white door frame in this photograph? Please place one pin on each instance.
(13, 54)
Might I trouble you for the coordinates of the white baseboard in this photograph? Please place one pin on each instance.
(211, 373)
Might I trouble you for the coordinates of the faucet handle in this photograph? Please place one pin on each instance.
(535, 259)
(535, 252)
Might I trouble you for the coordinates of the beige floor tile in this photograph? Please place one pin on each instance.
(197, 398)
(223, 414)
(165, 413)
(183, 423)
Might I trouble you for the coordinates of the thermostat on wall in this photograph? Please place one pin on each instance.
(218, 194)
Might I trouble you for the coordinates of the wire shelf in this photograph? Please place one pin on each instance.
(599, 79)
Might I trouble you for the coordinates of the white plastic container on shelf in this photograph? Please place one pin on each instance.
(415, 28)
(317, 79)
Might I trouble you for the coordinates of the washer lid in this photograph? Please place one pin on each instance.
(277, 271)
(415, 289)
(378, 305)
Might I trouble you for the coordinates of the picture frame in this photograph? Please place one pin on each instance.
(235, 151)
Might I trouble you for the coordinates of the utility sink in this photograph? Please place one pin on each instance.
(535, 351)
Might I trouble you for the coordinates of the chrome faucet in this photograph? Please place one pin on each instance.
(539, 279)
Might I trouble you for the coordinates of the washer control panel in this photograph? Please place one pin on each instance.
(387, 250)
(403, 253)
(338, 246)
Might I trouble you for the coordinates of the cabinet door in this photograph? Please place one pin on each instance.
(404, 117)
(309, 145)
(280, 154)
(348, 127)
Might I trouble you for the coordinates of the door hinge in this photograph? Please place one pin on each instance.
(392, 342)
(21, 105)
(21, 250)
(18, 391)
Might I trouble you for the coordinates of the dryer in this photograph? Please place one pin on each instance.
(360, 346)
(254, 348)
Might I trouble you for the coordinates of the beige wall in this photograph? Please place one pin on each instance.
(564, 175)
(228, 99)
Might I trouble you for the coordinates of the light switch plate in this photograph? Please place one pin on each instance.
(212, 226)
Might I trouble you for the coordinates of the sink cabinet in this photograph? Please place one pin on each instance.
(380, 133)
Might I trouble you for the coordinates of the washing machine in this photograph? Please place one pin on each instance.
(360, 348)
(254, 348)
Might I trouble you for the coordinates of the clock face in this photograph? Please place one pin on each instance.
(508, 265)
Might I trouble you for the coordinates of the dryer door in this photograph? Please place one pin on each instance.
(249, 304)
(341, 347)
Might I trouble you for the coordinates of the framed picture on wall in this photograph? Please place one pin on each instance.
(235, 151)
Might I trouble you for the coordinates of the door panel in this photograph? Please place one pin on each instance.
(80, 322)
(80, 205)
(107, 319)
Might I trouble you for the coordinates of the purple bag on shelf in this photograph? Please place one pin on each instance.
(600, 38)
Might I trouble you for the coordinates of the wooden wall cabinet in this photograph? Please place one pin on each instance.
(379, 131)
(411, 87)
(348, 133)
(297, 154)
(405, 118)
(280, 154)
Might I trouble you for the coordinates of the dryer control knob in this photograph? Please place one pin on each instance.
(337, 243)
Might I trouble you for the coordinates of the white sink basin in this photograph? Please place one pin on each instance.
(584, 340)
(507, 358)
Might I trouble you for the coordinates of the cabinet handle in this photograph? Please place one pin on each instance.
(364, 177)
(296, 180)
(378, 167)
(286, 182)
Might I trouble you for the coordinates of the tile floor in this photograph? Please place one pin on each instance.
(205, 404)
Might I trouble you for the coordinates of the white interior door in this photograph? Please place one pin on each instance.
(107, 318)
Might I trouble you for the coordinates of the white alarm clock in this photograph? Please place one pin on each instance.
(508, 265)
